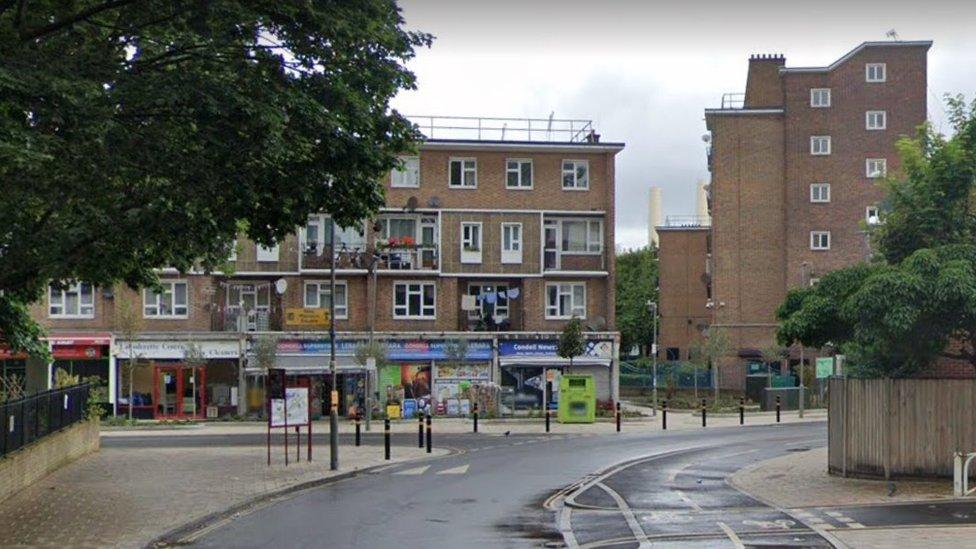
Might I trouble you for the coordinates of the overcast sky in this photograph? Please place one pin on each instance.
(643, 71)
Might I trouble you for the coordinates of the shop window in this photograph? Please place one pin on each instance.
(72, 301)
(171, 302)
(318, 295)
(414, 300)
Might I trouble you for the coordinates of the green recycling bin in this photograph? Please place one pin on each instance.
(577, 399)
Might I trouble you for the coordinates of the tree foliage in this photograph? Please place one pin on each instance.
(572, 343)
(917, 301)
(138, 134)
(636, 285)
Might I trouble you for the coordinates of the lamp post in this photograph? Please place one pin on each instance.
(652, 308)
(333, 396)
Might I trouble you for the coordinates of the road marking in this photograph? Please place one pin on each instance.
(460, 470)
(684, 497)
(732, 535)
(414, 471)
(855, 525)
(565, 527)
(834, 514)
(628, 513)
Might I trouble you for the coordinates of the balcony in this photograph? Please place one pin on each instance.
(316, 256)
(235, 319)
(407, 257)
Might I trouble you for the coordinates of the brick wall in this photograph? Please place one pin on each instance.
(683, 254)
(26, 466)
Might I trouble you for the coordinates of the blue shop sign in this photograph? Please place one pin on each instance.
(397, 349)
(550, 348)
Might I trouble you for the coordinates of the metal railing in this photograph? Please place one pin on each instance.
(687, 221)
(960, 474)
(418, 258)
(32, 418)
(733, 100)
(506, 129)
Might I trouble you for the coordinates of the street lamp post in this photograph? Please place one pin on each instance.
(333, 396)
(652, 307)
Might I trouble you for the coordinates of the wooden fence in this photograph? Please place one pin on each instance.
(894, 428)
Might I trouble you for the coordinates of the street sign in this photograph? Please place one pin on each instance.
(297, 316)
(291, 411)
(825, 367)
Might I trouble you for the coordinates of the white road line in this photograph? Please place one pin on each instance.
(628, 513)
(845, 519)
(684, 497)
(414, 471)
(834, 514)
(732, 535)
(855, 525)
(565, 527)
(460, 470)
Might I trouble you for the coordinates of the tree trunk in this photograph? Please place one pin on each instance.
(131, 371)
(715, 376)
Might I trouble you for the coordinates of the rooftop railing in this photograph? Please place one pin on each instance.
(687, 221)
(733, 100)
(506, 129)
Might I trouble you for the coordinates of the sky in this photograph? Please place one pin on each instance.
(644, 71)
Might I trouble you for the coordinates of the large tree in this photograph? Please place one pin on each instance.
(141, 134)
(917, 301)
(636, 285)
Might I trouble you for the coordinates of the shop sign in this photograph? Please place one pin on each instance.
(96, 339)
(297, 316)
(77, 352)
(177, 349)
(423, 349)
(550, 348)
(319, 347)
(463, 371)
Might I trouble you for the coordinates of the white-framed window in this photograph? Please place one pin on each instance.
(576, 175)
(319, 296)
(407, 175)
(820, 192)
(172, 302)
(463, 173)
(74, 301)
(518, 173)
(820, 97)
(494, 300)
(819, 240)
(511, 242)
(582, 236)
(268, 254)
(820, 145)
(565, 300)
(872, 215)
(875, 168)
(875, 72)
(875, 120)
(471, 243)
(414, 300)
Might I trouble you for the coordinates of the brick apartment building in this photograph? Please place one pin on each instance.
(496, 233)
(795, 164)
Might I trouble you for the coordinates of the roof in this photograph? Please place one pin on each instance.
(743, 112)
(553, 146)
(857, 50)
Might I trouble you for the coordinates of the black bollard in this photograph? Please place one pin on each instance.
(547, 420)
(476, 417)
(429, 435)
(777, 408)
(704, 413)
(618, 417)
(359, 440)
(664, 416)
(420, 430)
(386, 437)
(742, 411)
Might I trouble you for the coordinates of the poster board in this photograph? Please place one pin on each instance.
(297, 408)
(825, 367)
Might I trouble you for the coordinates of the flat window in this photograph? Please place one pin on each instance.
(876, 120)
(319, 296)
(518, 174)
(820, 192)
(414, 300)
(407, 175)
(672, 353)
(872, 215)
(267, 254)
(565, 300)
(464, 173)
(820, 145)
(820, 97)
(471, 237)
(875, 168)
(249, 297)
(819, 240)
(171, 302)
(74, 301)
(576, 175)
(511, 242)
(582, 237)
(492, 300)
(875, 72)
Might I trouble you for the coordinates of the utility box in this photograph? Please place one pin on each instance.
(577, 399)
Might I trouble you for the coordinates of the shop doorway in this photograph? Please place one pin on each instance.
(179, 392)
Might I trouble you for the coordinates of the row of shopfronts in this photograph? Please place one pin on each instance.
(520, 372)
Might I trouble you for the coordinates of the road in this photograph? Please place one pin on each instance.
(627, 490)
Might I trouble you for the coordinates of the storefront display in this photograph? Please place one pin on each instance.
(531, 370)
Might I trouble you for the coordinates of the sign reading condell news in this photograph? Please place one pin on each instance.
(176, 349)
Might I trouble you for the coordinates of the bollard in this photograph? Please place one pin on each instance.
(547, 420)
(420, 430)
(664, 416)
(429, 435)
(704, 412)
(777, 409)
(476, 417)
(359, 439)
(618, 417)
(742, 411)
(386, 437)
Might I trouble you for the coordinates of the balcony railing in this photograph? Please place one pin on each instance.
(316, 256)
(506, 129)
(687, 221)
(734, 100)
(235, 319)
(408, 258)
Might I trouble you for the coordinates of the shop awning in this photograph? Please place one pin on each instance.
(551, 362)
(312, 365)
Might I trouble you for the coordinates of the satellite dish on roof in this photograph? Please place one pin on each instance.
(598, 324)
(411, 203)
(434, 202)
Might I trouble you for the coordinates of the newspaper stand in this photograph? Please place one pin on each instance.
(288, 407)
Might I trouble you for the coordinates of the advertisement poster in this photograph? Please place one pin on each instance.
(415, 379)
(464, 371)
(297, 408)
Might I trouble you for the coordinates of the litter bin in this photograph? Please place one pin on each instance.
(577, 399)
